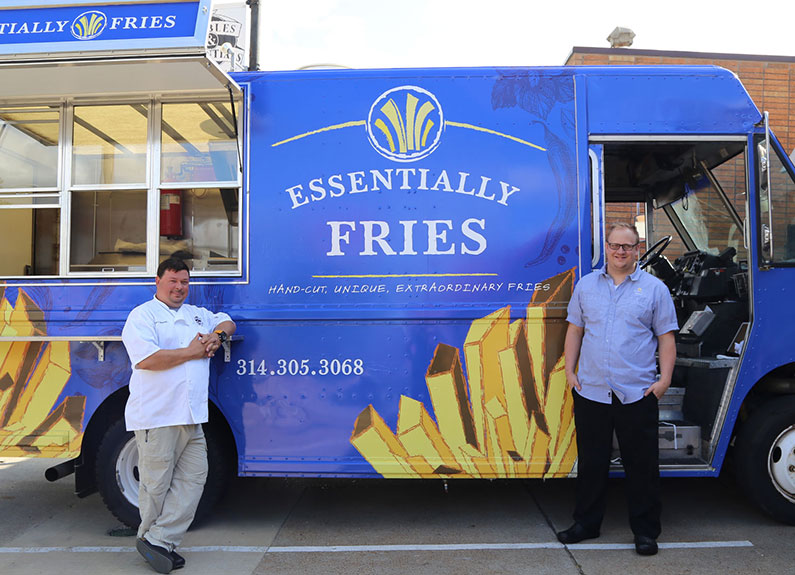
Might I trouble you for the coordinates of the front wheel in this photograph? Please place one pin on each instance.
(765, 454)
(118, 480)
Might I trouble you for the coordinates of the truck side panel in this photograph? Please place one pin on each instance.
(414, 243)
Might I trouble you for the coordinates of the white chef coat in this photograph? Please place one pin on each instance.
(176, 396)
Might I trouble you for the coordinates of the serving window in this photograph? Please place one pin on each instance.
(113, 189)
(30, 196)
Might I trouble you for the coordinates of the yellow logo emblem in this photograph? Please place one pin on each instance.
(89, 25)
(405, 124)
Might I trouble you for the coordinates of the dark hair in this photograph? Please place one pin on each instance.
(172, 264)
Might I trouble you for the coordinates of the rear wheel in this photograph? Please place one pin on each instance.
(118, 480)
(765, 458)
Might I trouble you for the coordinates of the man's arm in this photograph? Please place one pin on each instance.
(571, 351)
(666, 348)
(226, 326)
(168, 358)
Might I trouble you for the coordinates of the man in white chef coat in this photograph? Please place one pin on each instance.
(170, 344)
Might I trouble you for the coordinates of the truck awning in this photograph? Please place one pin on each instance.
(60, 49)
(109, 77)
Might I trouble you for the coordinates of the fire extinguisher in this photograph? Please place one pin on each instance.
(171, 213)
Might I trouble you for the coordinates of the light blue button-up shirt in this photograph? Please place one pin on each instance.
(621, 328)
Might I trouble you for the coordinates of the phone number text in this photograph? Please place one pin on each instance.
(253, 367)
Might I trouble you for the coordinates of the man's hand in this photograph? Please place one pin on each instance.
(211, 343)
(571, 351)
(573, 380)
(197, 348)
(658, 388)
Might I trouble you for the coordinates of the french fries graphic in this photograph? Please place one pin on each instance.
(32, 378)
(511, 416)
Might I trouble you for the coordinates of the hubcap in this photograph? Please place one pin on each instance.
(781, 463)
(127, 472)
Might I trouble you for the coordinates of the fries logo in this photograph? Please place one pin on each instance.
(32, 378)
(513, 417)
(405, 123)
(89, 25)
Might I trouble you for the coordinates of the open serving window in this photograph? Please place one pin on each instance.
(119, 141)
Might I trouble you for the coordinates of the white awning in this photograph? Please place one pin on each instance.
(27, 82)
(58, 49)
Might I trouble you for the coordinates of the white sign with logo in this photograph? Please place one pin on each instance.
(227, 38)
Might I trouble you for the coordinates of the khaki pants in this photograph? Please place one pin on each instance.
(172, 465)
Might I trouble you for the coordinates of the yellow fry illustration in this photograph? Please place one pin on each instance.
(376, 442)
(447, 387)
(512, 418)
(486, 337)
(419, 435)
(537, 456)
(501, 445)
(33, 376)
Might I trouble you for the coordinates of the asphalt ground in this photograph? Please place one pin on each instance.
(290, 526)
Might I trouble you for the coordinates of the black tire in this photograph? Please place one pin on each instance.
(117, 472)
(765, 458)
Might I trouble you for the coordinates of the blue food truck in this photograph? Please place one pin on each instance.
(397, 248)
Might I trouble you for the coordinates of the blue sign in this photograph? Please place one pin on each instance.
(102, 27)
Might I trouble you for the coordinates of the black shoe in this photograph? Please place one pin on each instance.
(575, 534)
(179, 560)
(159, 558)
(645, 545)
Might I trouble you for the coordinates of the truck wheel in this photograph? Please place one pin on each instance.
(765, 458)
(117, 473)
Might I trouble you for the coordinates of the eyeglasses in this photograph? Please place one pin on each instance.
(625, 247)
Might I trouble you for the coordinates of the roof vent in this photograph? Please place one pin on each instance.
(621, 38)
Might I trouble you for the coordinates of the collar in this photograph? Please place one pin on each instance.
(634, 276)
(167, 307)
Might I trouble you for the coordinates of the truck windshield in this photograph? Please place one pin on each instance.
(707, 216)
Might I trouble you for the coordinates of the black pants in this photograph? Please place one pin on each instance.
(635, 425)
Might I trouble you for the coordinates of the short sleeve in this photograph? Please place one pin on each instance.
(139, 336)
(575, 308)
(213, 319)
(664, 312)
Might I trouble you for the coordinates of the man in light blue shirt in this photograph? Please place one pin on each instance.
(619, 318)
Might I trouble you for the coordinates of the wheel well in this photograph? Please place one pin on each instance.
(780, 381)
(109, 411)
(223, 432)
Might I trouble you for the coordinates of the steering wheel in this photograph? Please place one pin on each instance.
(653, 254)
